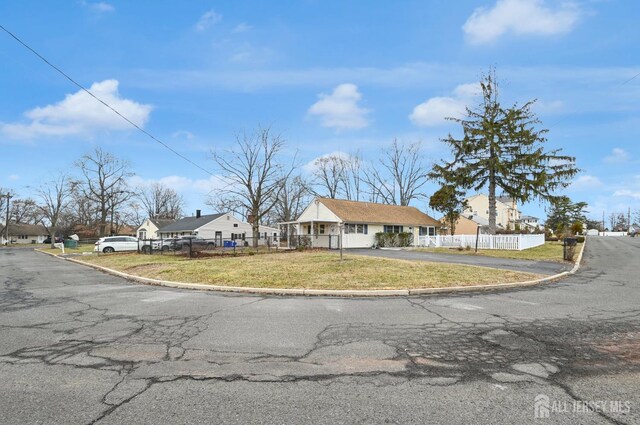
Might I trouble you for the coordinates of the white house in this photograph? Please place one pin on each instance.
(507, 213)
(24, 234)
(149, 228)
(216, 227)
(321, 223)
(529, 222)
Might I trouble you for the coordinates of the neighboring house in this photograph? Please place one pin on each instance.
(322, 220)
(24, 234)
(216, 227)
(507, 214)
(529, 223)
(464, 226)
(149, 229)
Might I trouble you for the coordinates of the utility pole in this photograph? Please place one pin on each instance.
(6, 223)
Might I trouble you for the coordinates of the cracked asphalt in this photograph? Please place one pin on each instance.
(81, 347)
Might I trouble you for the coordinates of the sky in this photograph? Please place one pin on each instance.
(328, 76)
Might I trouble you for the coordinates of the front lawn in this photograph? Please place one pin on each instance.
(307, 270)
(550, 251)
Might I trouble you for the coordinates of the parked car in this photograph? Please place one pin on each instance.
(196, 242)
(156, 245)
(59, 239)
(116, 244)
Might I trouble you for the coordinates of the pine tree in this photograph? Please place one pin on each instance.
(501, 148)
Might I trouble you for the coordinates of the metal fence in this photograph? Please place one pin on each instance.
(200, 246)
(507, 242)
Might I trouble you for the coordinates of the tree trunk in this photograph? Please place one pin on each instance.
(52, 230)
(255, 226)
(492, 204)
(103, 222)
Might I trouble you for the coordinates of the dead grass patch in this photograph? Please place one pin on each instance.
(308, 270)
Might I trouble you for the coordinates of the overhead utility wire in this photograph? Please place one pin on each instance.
(621, 84)
(102, 101)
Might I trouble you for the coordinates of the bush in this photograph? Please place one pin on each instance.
(551, 239)
(388, 240)
(304, 242)
(580, 239)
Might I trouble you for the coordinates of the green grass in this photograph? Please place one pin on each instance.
(308, 270)
(550, 251)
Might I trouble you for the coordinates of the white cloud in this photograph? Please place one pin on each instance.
(586, 182)
(14, 177)
(340, 109)
(79, 113)
(434, 111)
(100, 7)
(519, 17)
(207, 20)
(617, 156)
(242, 27)
(182, 134)
(628, 193)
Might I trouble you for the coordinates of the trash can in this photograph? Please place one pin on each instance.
(229, 244)
(70, 243)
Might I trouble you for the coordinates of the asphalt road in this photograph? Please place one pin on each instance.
(539, 267)
(78, 346)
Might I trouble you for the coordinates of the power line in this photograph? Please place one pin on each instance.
(74, 82)
(616, 85)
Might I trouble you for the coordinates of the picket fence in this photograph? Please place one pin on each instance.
(508, 242)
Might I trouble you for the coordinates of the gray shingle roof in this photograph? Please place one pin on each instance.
(26, 229)
(189, 224)
(160, 222)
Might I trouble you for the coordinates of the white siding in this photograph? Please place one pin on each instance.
(317, 211)
(150, 229)
(228, 224)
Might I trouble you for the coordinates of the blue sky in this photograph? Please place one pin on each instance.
(330, 76)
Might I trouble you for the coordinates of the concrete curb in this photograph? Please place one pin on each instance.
(335, 292)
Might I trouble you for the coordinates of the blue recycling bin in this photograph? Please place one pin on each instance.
(229, 244)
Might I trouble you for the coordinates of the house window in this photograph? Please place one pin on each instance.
(392, 229)
(308, 229)
(321, 230)
(235, 224)
(362, 229)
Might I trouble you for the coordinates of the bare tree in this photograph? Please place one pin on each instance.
(329, 175)
(104, 183)
(254, 174)
(24, 211)
(161, 201)
(4, 200)
(291, 200)
(352, 182)
(399, 176)
(54, 200)
(338, 175)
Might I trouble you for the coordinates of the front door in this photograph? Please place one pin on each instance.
(218, 238)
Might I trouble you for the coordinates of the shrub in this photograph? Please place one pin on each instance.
(387, 240)
(580, 239)
(551, 239)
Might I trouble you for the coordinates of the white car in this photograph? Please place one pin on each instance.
(116, 244)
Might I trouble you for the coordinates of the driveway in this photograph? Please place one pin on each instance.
(540, 267)
(79, 346)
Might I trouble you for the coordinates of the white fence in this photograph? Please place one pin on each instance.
(616, 234)
(509, 242)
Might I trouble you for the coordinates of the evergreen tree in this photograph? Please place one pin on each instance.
(502, 149)
(564, 212)
(449, 201)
